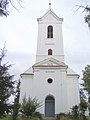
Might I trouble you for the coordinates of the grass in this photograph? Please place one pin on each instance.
(69, 117)
(6, 118)
(36, 118)
(19, 118)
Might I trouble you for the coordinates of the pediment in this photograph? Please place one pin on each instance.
(50, 62)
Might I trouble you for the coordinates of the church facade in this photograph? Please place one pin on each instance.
(50, 80)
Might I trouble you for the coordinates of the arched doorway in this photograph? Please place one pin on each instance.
(49, 106)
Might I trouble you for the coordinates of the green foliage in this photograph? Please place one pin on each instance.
(60, 115)
(83, 107)
(6, 86)
(75, 112)
(22, 117)
(82, 94)
(87, 17)
(63, 116)
(16, 105)
(37, 115)
(78, 112)
(86, 10)
(29, 106)
(87, 20)
(6, 118)
(86, 79)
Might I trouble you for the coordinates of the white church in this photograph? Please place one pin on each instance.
(50, 80)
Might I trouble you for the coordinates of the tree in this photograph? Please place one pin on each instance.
(78, 111)
(86, 10)
(86, 79)
(16, 104)
(83, 108)
(4, 5)
(6, 85)
(75, 112)
(82, 94)
(87, 16)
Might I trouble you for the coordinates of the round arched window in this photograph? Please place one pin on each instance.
(49, 80)
(50, 52)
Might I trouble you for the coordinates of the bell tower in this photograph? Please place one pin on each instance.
(50, 39)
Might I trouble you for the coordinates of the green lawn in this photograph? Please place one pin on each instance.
(35, 118)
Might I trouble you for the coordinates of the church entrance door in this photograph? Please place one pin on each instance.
(49, 107)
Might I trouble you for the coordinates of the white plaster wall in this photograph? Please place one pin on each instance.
(44, 43)
(58, 89)
(73, 91)
(26, 86)
(65, 89)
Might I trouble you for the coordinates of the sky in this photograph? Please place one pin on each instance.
(18, 32)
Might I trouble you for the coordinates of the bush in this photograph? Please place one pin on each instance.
(29, 106)
(60, 115)
(38, 115)
(78, 112)
(65, 118)
(75, 112)
(35, 118)
(22, 117)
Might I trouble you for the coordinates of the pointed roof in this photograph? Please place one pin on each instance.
(50, 11)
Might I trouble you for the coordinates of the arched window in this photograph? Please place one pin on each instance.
(50, 31)
(50, 52)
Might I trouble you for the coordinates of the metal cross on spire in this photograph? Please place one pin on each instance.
(49, 2)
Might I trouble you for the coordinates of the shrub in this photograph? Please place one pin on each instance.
(60, 115)
(35, 118)
(75, 112)
(38, 115)
(29, 106)
(23, 117)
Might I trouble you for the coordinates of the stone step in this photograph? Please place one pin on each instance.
(49, 118)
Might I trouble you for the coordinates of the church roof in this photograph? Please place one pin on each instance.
(70, 72)
(50, 11)
(50, 62)
(28, 72)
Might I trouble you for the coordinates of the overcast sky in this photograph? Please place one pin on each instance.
(19, 31)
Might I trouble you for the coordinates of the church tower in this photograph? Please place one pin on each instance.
(50, 40)
(50, 80)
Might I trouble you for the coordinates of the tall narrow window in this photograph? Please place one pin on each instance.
(50, 32)
(50, 52)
